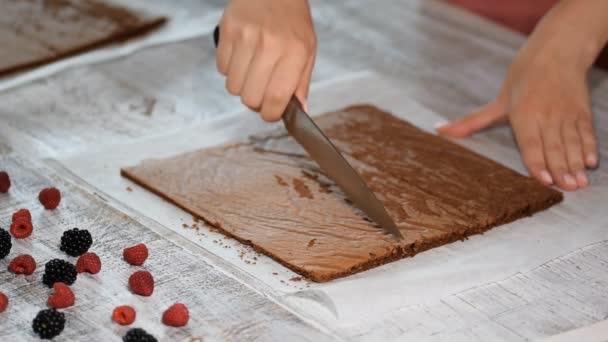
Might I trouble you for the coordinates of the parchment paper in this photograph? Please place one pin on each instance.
(426, 278)
(190, 19)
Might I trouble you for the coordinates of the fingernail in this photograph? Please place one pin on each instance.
(546, 177)
(305, 105)
(569, 180)
(591, 160)
(440, 124)
(581, 177)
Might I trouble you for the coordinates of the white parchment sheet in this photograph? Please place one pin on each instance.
(502, 252)
(190, 19)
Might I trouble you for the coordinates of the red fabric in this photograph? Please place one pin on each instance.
(519, 15)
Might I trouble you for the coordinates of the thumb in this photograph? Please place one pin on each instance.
(484, 117)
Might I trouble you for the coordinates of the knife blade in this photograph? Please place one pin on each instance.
(320, 149)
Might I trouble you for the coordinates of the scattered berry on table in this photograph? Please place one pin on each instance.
(142, 283)
(48, 323)
(3, 302)
(63, 297)
(58, 270)
(89, 263)
(5, 181)
(176, 315)
(49, 198)
(136, 255)
(22, 214)
(5, 243)
(23, 264)
(21, 228)
(138, 335)
(124, 315)
(76, 242)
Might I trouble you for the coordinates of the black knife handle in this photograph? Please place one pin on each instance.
(216, 35)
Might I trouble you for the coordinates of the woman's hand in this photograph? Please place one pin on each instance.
(267, 52)
(547, 104)
(545, 96)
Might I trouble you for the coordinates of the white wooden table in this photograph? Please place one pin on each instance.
(446, 59)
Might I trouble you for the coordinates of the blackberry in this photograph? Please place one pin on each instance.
(138, 335)
(76, 242)
(58, 270)
(5, 243)
(48, 323)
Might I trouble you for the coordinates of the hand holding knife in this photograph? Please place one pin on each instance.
(303, 129)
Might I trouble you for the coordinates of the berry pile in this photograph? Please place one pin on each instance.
(58, 274)
(61, 274)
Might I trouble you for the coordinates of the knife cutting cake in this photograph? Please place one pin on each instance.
(36, 32)
(267, 193)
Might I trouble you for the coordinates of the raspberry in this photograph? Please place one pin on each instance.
(49, 323)
(176, 315)
(63, 296)
(21, 228)
(138, 335)
(50, 198)
(136, 255)
(3, 302)
(76, 242)
(22, 214)
(142, 283)
(5, 181)
(88, 262)
(58, 270)
(124, 315)
(23, 264)
(5, 243)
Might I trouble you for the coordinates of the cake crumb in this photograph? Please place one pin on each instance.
(296, 279)
(311, 243)
(184, 225)
(129, 189)
(275, 273)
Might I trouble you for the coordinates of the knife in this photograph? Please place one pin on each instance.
(304, 130)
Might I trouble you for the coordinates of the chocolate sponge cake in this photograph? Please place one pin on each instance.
(266, 192)
(36, 32)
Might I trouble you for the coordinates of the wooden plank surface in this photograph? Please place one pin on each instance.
(447, 60)
(221, 307)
